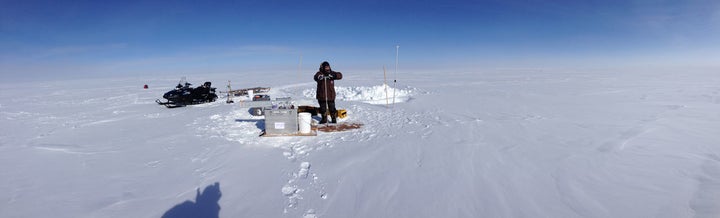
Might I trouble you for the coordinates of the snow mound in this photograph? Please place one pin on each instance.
(381, 94)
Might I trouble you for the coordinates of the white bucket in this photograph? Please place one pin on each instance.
(304, 120)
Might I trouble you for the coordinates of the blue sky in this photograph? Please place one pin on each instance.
(65, 38)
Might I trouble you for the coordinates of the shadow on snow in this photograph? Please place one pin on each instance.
(206, 205)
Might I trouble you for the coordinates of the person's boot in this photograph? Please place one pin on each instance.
(324, 119)
(333, 118)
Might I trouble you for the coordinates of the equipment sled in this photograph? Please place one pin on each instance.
(242, 92)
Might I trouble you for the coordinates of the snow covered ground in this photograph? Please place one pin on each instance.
(496, 144)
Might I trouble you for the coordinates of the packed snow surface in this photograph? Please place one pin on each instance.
(494, 144)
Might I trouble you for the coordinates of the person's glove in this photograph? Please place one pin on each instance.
(329, 76)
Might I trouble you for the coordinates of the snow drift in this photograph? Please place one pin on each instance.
(382, 94)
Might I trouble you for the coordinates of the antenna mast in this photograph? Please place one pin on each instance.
(397, 53)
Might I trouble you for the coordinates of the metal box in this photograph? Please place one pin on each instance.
(266, 103)
(281, 121)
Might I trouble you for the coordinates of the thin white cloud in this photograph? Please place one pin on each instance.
(199, 57)
(204, 53)
(77, 49)
(74, 59)
(263, 49)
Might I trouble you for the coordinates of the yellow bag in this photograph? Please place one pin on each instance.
(342, 113)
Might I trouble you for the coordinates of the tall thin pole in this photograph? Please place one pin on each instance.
(385, 86)
(300, 69)
(397, 53)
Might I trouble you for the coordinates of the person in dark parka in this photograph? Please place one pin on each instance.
(325, 92)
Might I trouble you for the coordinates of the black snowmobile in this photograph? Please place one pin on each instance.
(184, 95)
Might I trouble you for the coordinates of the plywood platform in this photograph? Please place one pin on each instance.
(339, 127)
(313, 132)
